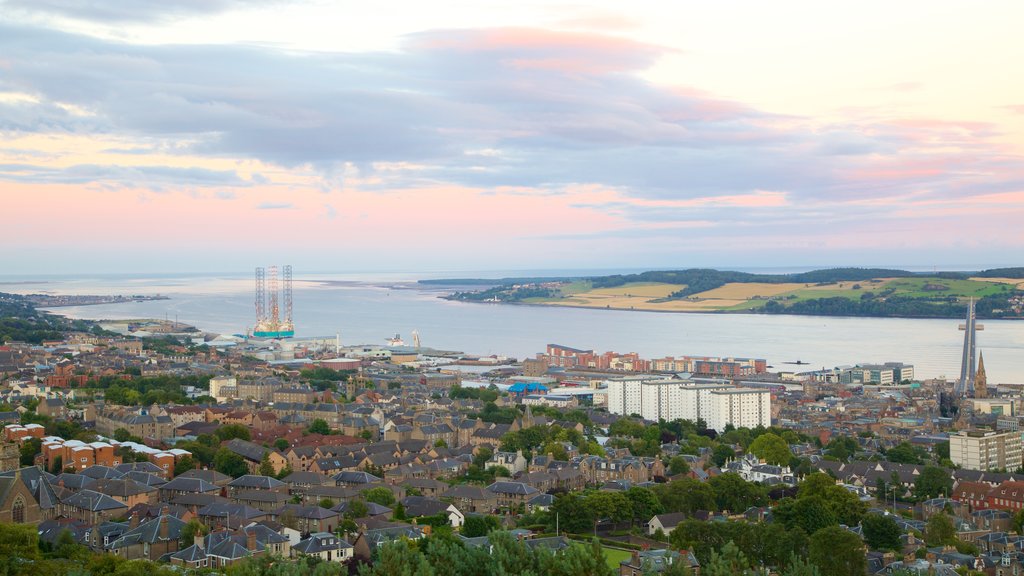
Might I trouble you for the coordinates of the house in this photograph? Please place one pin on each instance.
(254, 482)
(307, 519)
(418, 506)
(646, 562)
(149, 540)
(512, 494)
(254, 453)
(91, 507)
(665, 522)
(325, 546)
(471, 498)
(514, 462)
(183, 485)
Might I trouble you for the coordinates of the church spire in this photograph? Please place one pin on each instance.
(980, 379)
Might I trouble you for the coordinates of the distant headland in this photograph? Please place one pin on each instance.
(871, 292)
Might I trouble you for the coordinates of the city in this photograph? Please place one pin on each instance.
(205, 451)
(511, 288)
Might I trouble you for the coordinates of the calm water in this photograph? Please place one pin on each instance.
(366, 314)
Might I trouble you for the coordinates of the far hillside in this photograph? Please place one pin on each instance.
(998, 293)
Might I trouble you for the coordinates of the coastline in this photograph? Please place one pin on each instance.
(719, 312)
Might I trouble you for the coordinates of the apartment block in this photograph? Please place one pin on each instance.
(671, 398)
(985, 450)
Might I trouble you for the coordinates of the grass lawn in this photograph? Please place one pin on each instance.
(614, 556)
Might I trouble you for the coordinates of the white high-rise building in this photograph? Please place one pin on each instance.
(655, 398)
(985, 450)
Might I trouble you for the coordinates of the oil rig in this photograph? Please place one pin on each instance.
(271, 296)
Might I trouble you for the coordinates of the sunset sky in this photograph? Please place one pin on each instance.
(203, 135)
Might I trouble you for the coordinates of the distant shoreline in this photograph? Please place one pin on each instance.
(719, 312)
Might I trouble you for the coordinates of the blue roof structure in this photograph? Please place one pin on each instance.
(523, 387)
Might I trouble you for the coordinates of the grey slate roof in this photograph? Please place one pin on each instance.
(321, 542)
(256, 482)
(93, 501)
(149, 532)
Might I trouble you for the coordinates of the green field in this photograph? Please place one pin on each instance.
(614, 556)
(915, 287)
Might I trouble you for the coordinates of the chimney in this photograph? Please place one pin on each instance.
(164, 528)
(636, 558)
(250, 541)
(133, 522)
(199, 541)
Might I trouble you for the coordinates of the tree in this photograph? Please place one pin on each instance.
(184, 464)
(1018, 521)
(380, 495)
(800, 567)
(933, 482)
(729, 562)
(281, 444)
(356, 509)
(366, 435)
(29, 449)
(266, 466)
(18, 544)
(837, 552)
(721, 454)
(842, 447)
(940, 531)
(479, 525)
(686, 495)
(610, 505)
(810, 514)
(227, 462)
(398, 558)
(771, 448)
(66, 547)
(843, 504)
(644, 503)
(881, 532)
(232, 431)
(903, 453)
(440, 443)
(573, 513)
(123, 435)
(326, 503)
(735, 494)
(319, 426)
(188, 533)
(678, 465)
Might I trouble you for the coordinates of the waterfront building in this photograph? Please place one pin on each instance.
(887, 374)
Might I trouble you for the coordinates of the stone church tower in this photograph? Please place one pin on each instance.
(980, 380)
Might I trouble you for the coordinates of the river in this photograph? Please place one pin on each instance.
(366, 310)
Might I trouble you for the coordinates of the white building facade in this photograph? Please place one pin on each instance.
(672, 399)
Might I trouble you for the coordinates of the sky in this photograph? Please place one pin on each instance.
(209, 135)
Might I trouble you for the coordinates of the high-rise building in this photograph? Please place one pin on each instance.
(667, 398)
(985, 450)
